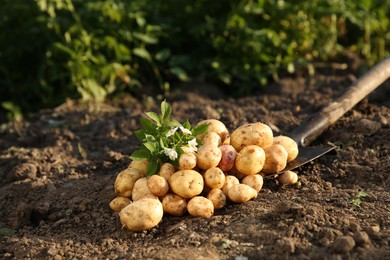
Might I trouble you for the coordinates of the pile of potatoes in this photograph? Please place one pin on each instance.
(224, 168)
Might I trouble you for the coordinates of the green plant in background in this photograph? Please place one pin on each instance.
(357, 200)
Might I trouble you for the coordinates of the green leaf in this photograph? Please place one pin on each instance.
(150, 146)
(179, 73)
(173, 123)
(147, 125)
(152, 167)
(140, 134)
(154, 117)
(140, 154)
(200, 129)
(166, 110)
(187, 124)
(7, 231)
(143, 53)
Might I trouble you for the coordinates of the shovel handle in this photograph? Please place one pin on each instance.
(328, 115)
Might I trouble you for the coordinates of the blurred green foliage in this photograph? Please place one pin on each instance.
(51, 50)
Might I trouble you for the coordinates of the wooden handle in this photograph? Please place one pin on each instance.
(328, 115)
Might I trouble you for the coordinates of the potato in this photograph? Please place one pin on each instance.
(174, 205)
(119, 203)
(250, 160)
(214, 178)
(275, 159)
(141, 190)
(217, 197)
(200, 207)
(125, 180)
(240, 193)
(289, 144)
(186, 183)
(208, 157)
(230, 181)
(251, 134)
(215, 126)
(288, 178)
(140, 165)
(142, 214)
(211, 139)
(228, 158)
(254, 181)
(187, 161)
(158, 185)
(166, 170)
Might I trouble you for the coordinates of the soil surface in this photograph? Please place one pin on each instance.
(57, 171)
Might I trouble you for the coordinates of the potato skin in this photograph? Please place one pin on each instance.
(241, 193)
(251, 134)
(174, 205)
(187, 161)
(214, 178)
(289, 144)
(186, 183)
(288, 178)
(211, 139)
(254, 181)
(141, 190)
(158, 185)
(125, 181)
(228, 158)
(230, 181)
(217, 197)
(166, 170)
(216, 126)
(275, 159)
(140, 165)
(142, 214)
(200, 207)
(119, 203)
(208, 157)
(250, 160)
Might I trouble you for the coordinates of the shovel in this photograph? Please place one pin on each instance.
(316, 124)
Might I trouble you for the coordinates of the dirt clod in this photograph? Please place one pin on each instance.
(343, 245)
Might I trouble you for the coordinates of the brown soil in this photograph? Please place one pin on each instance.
(58, 168)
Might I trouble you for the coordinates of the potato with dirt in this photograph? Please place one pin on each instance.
(215, 126)
(119, 203)
(275, 159)
(288, 178)
(211, 138)
(125, 181)
(208, 157)
(166, 170)
(157, 185)
(141, 190)
(214, 178)
(289, 144)
(255, 181)
(228, 158)
(187, 161)
(241, 193)
(250, 160)
(200, 206)
(142, 214)
(251, 134)
(174, 205)
(230, 181)
(217, 197)
(186, 183)
(140, 165)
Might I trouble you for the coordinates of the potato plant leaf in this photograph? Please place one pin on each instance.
(152, 167)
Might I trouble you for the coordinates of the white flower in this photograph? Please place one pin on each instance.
(185, 130)
(192, 144)
(171, 132)
(171, 153)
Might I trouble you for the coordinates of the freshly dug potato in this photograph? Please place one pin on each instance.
(142, 214)
(214, 178)
(158, 185)
(174, 205)
(211, 139)
(208, 157)
(230, 181)
(217, 197)
(288, 178)
(254, 181)
(166, 170)
(250, 160)
(140, 165)
(200, 207)
(240, 193)
(186, 183)
(275, 159)
(228, 158)
(251, 134)
(214, 126)
(125, 180)
(141, 190)
(119, 203)
(289, 144)
(187, 161)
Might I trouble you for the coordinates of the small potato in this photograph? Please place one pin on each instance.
(228, 158)
(251, 134)
(240, 193)
(158, 185)
(208, 157)
(187, 161)
(254, 181)
(289, 144)
(141, 190)
(125, 180)
(174, 205)
(214, 178)
(119, 203)
(200, 207)
(275, 159)
(140, 165)
(217, 197)
(250, 160)
(211, 139)
(142, 214)
(288, 178)
(230, 181)
(186, 183)
(215, 126)
(166, 170)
